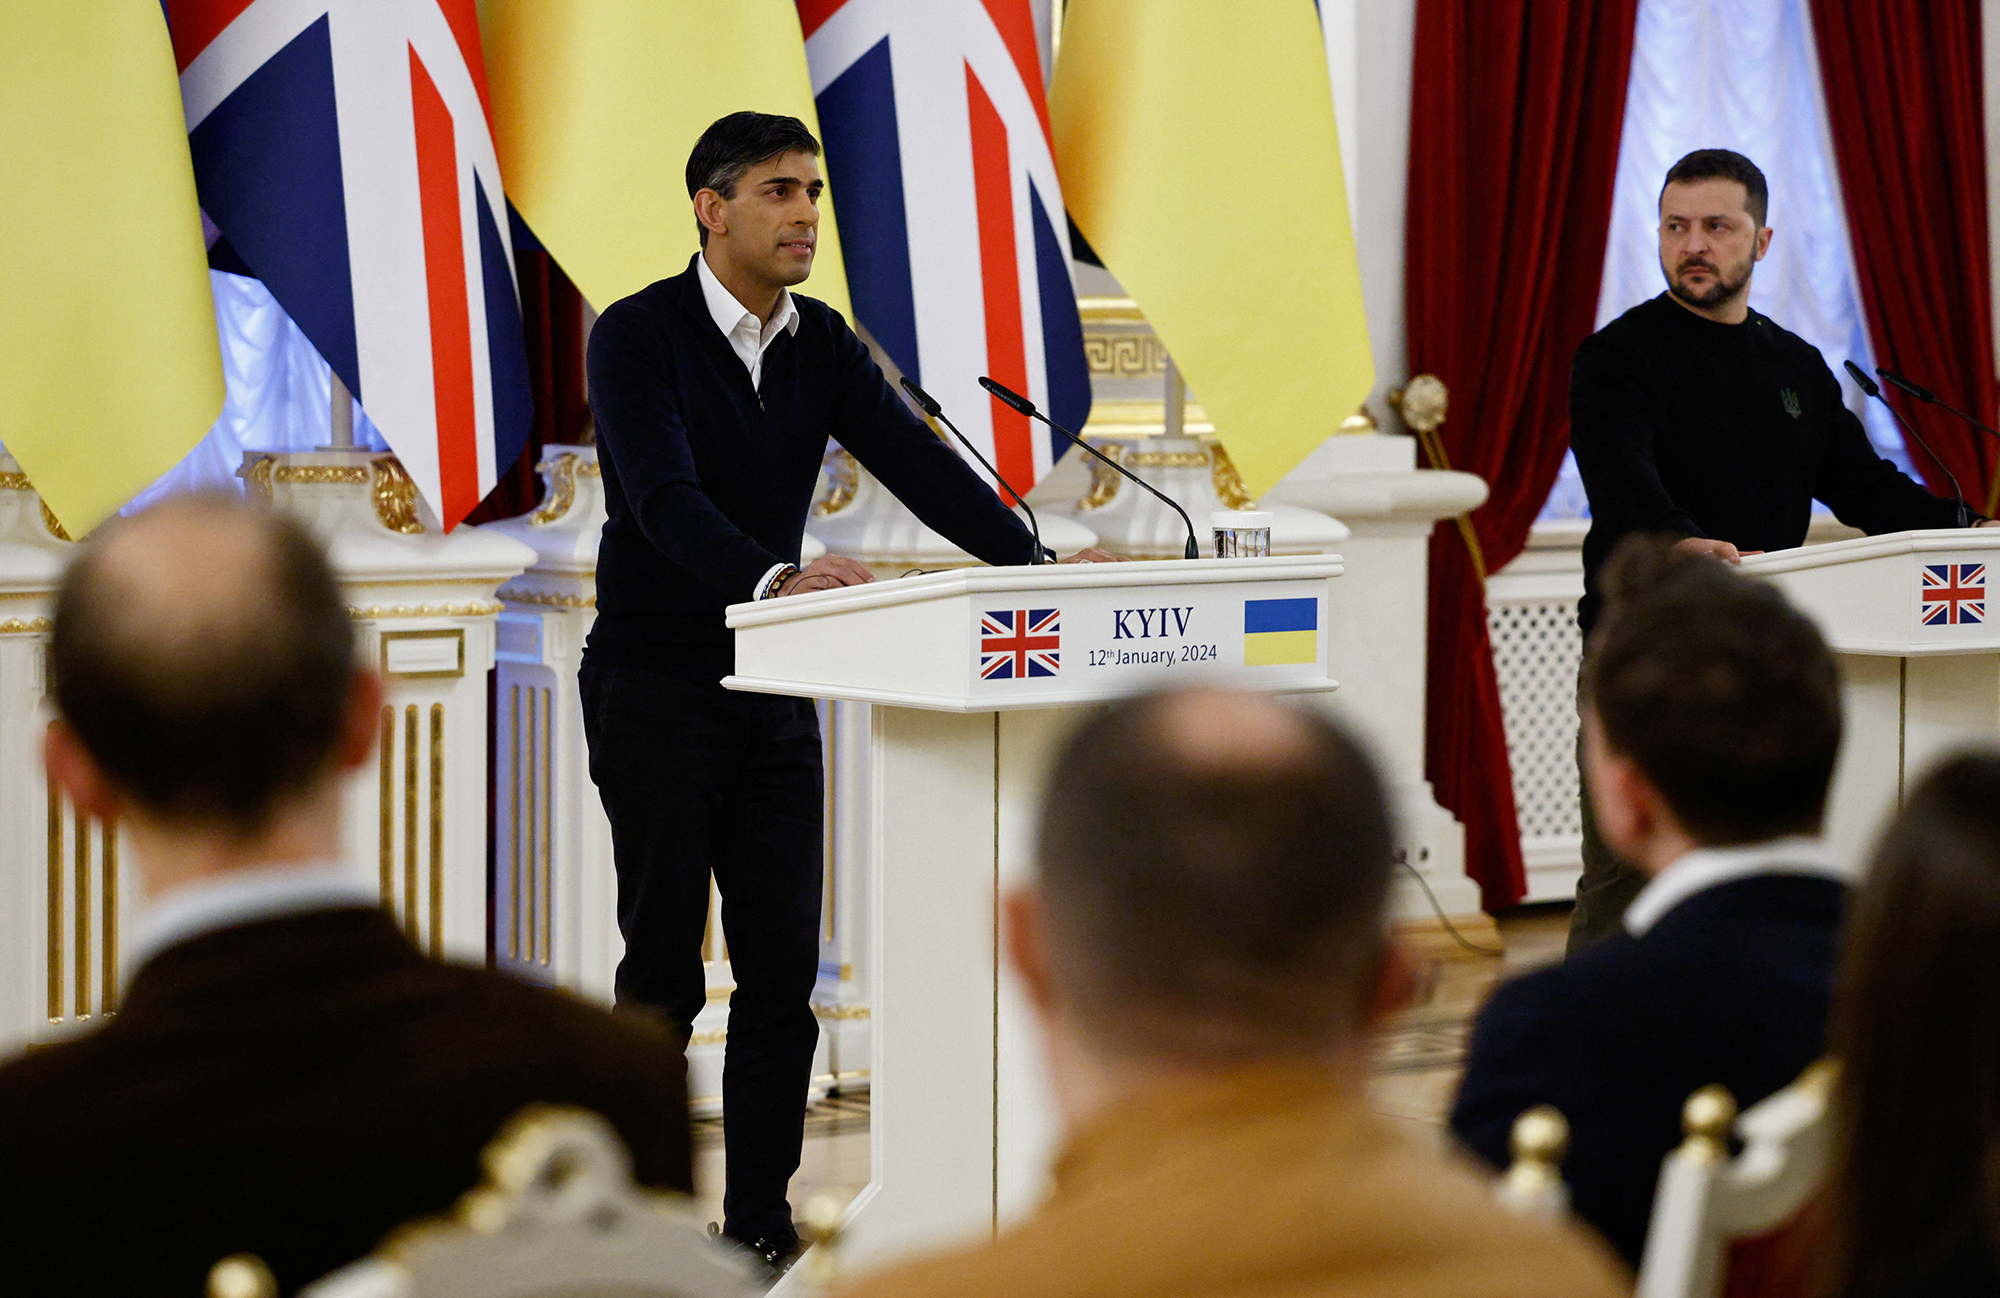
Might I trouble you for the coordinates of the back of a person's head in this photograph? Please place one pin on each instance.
(1215, 868)
(203, 657)
(1916, 1025)
(1721, 692)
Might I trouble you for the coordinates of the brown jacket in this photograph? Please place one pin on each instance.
(295, 1088)
(1270, 1181)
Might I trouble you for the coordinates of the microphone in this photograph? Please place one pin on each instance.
(1871, 388)
(1931, 398)
(928, 404)
(1022, 405)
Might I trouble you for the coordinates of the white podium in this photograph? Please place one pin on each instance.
(1919, 648)
(977, 674)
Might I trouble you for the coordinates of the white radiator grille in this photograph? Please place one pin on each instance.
(1536, 648)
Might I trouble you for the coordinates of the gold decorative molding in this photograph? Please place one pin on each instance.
(25, 626)
(842, 1013)
(15, 482)
(1124, 355)
(257, 476)
(52, 523)
(1361, 421)
(361, 613)
(561, 471)
(1229, 488)
(395, 495)
(546, 599)
(1165, 459)
(843, 476)
(715, 1038)
(588, 468)
(321, 475)
(1109, 310)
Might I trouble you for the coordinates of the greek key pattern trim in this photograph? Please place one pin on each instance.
(1124, 355)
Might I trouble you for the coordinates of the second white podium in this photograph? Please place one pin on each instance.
(977, 674)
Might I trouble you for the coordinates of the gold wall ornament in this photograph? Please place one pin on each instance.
(1104, 480)
(561, 497)
(1124, 355)
(1229, 488)
(52, 523)
(843, 479)
(588, 468)
(546, 599)
(362, 613)
(26, 626)
(256, 476)
(842, 1013)
(1361, 421)
(395, 495)
(15, 482)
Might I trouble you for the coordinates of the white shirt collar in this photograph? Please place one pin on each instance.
(748, 336)
(242, 897)
(1710, 867)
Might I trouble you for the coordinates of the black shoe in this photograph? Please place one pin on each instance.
(773, 1255)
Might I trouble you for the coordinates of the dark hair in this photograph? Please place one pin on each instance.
(732, 145)
(1723, 164)
(1722, 693)
(1916, 1025)
(1200, 906)
(216, 712)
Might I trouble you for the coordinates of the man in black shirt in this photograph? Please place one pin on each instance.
(714, 394)
(1693, 415)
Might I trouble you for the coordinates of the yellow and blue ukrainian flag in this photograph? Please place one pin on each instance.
(1277, 631)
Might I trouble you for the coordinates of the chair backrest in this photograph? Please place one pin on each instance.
(557, 1216)
(1532, 1185)
(1706, 1199)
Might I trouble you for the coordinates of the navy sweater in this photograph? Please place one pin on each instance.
(1730, 986)
(707, 480)
(1689, 427)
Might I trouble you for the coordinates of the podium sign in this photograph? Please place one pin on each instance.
(1907, 615)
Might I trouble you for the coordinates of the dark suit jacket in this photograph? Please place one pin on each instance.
(1730, 986)
(296, 1088)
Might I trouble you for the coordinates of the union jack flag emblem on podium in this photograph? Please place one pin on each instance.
(1017, 644)
(1954, 593)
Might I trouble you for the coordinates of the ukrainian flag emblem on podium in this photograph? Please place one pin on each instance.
(1279, 631)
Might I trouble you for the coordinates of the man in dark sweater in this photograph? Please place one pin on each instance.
(715, 393)
(286, 1074)
(1694, 416)
(1711, 723)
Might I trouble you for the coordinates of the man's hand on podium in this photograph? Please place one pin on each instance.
(824, 573)
(1713, 549)
(1091, 554)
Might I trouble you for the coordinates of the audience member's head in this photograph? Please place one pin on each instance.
(1711, 708)
(204, 676)
(1916, 1025)
(1211, 880)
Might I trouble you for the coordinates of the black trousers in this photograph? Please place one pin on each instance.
(699, 781)
(1609, 883)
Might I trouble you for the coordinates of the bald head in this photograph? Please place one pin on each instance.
(203, 657)
(1215, 867)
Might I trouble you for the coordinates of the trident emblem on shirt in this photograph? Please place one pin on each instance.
(1791, 400)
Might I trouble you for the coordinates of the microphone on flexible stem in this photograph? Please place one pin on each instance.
(1022, 405)
(928, 404)
(1870, 387)
(1929, 397)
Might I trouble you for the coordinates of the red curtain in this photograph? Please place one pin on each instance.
(1517, 107)
(1903, 96)
(552, 320)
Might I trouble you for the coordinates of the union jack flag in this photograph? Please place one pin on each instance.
(1954, 593)
(1017, 644)
(951, 220)
(346, 153)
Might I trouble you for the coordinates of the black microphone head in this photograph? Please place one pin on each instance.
(924, 400)
(1919, 392)
(1014, 399)
(1868, 385)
